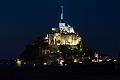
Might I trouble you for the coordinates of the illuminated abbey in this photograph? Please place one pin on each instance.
(64, 44)
(60, 46)
(64, 35)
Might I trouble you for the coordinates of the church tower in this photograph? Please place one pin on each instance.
(64, 27)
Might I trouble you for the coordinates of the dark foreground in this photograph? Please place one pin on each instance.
(70, 72)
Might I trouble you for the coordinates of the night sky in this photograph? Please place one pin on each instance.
(22, 21)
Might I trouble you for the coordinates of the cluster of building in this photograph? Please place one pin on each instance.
(60, 42)
(61, 46)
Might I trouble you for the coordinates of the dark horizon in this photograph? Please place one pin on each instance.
(21, 22)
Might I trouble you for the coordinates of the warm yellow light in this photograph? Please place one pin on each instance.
(80, 62)
(100, 60)
(109, 59)
(80, 49)
(61, 62)
(96, 55)
(94, 60)
(75, 60)
(58, 60)
(18, 62)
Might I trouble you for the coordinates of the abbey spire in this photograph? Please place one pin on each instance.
(61, 12)
(63, 26)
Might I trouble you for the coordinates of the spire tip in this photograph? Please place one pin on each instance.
(62, 12)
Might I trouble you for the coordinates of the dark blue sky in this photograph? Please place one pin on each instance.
(21, 21)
